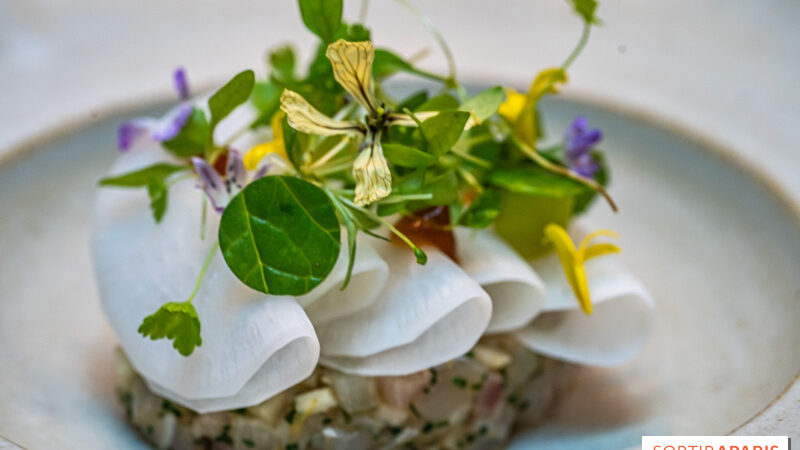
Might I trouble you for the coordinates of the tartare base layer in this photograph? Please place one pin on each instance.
(473, 402)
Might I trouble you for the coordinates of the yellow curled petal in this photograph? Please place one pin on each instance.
(372, 175)
(594, 235)
(352, 68)
(305, 118)
(599, 250)
(572, 265)
(258, 152)
(546, 82)
(513, 105)
(527, 123)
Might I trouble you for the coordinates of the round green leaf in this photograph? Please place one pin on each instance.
(280, 235)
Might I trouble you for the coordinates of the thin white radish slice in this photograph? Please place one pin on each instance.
(327, 301)
(516, 291)
(139, 265)
(614, 333)
(426, 315)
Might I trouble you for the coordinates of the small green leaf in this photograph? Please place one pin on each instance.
(157, 190)
(282, 62)
(443, 187)
(193, 137)
(585, 9)
(483, 210)
(293, 144)
(177, 322)
(142, 177)
(387, 63)
(266, 97)
(280, 235)
(322, 17)
(413, 101)
(228, 97)
(441, 102)
(405, 156)
(443, 130)
(534, 180)
(486, 103)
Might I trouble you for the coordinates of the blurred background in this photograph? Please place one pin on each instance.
(727, 69)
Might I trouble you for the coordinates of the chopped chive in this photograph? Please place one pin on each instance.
(289, 417)
(460, 382)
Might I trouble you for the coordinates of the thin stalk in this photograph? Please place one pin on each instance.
(470, 179)
(427, 23)
(421, 257)
(362, 12)
(330, 154)
(322, 171)
(549, 165)
(203, 214)
(203, 270)
(587, 27)
(471, 158)
(405, 197)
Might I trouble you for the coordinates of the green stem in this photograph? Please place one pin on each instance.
(362, 13)
(333, 168)
(549, 165)
(203, 270)
(421, 257)
(203, 213)
(587, 27)
(330, 154)
(405, 197)
(471, 158)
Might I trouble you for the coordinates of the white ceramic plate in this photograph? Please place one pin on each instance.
(718, 247)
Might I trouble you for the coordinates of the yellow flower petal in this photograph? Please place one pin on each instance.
(526, 125)
(305, 118)
(257, 153)
(372, 175)
(352, 68)
(512, 107)
(572, 259)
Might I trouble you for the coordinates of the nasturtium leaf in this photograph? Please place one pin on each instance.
(143, 176)
(443, 130)
(483, 210)
(534, 180)
(406, 156)
(177, 322)
(322, 17)
(586, 9)
(228, 97)
(440, 102)
(157, 190)
(193, 137)
(486, 103)
(282, 63)
(280, 235)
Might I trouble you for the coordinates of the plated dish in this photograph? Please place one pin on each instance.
(319, 264)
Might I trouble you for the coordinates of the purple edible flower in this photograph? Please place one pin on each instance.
(159, 130)
(578, 142)
(220, 190)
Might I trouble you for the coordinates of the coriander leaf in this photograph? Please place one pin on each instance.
(486, 103)
(483, 210)
(534, 180)
(157, 190)
(193, 137)
(228, 97)
(322, 17)
(280, 235)
(142, 177)
(387, 63)
(405, 156)
(443, 130)
(177, 322)
(585, 9)
(282, 62)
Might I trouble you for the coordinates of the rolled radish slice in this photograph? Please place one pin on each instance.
(516, 291)
(614, 333)
(253, 345)
(327, 301)
(426, 315)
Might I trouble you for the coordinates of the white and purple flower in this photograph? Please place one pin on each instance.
(163, 129)
(221, 189)
(578, 143)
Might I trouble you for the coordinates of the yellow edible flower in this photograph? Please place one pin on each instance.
(520, 109)
(257, 153)
(572, 259)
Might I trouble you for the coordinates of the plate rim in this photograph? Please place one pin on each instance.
(724, 152)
